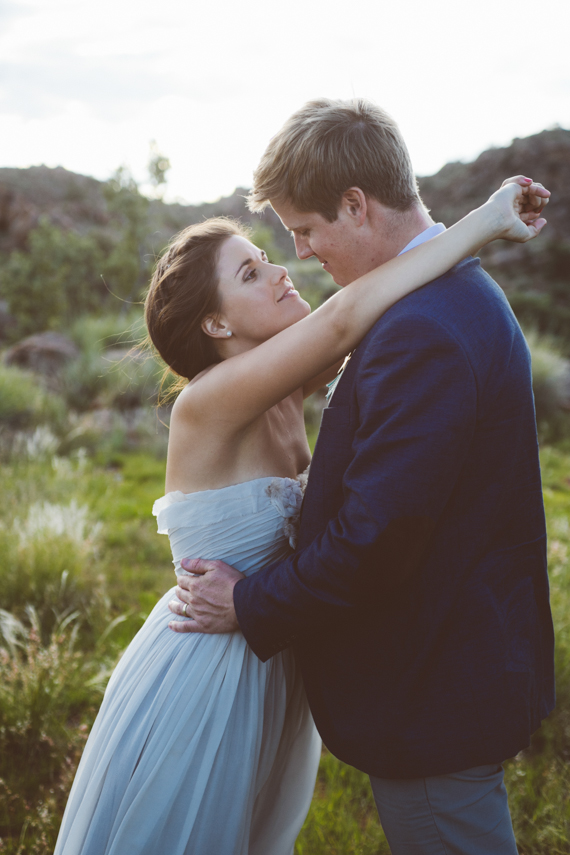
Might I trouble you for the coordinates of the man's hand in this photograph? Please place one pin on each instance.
(208, 596)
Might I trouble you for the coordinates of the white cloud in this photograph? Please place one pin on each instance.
(88, 85)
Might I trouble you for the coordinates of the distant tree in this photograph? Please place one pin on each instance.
(126, 269)
(158, 166)
(57, 278)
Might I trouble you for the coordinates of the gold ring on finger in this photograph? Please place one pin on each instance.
(184, 609)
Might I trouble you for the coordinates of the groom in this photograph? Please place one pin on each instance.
(417, 600)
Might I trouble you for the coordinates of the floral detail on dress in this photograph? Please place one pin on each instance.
(286, 496)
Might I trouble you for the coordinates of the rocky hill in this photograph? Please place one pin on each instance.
(536, 276)
(79, 203)
(458, 187)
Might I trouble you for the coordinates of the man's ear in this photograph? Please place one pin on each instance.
(214, 327)
(355, 205)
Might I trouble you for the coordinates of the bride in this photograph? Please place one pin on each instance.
(199, 748)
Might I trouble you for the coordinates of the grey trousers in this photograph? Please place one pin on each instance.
(465, 813)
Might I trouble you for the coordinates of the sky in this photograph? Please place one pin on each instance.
(87, 84)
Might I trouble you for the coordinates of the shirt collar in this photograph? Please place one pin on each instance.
(427, 234)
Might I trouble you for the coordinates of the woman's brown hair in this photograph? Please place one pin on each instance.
(183, 292)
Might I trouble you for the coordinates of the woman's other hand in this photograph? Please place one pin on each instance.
(520, 201)
(536, 197)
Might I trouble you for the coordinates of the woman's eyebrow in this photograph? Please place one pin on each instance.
(243, 264)
(249, 261)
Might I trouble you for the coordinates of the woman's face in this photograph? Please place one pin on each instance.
(258, 298)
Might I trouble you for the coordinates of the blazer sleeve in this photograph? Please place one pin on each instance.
(417, 402)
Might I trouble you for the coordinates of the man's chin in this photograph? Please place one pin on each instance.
(341, 281)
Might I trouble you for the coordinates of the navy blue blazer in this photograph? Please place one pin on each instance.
(417, 601)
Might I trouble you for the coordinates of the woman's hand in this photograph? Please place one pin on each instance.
(519, 204)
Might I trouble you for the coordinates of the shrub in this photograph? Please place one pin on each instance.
(23, 403)
(84, 381)
(134, 380)
(542, 310)
(550, 376)
(112, 371)
(92, 333)
(57, 278)
(47, 561)
(126, 267)
(47, 694)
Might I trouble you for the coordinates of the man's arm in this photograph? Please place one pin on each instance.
(417, 400)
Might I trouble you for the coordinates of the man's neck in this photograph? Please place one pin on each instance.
(390, 231)
(419, 221)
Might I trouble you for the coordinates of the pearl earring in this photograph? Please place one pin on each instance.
(229, 332)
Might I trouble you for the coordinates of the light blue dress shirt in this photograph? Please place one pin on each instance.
(427, 234)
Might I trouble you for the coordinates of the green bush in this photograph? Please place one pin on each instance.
(99, 333)
(550, 376)
(120, 379)
(110, 371)
(23, 402)
(85, 382)
(47, 564)
(55, 280)
(135, 381)
(48, 695)
(127, 267)
(541, 310)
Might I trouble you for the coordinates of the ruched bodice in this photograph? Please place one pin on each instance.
(247, 525)
(199, 747)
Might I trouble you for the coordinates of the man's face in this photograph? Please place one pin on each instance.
(337, 245)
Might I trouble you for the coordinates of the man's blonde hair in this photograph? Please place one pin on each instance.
(328, 146)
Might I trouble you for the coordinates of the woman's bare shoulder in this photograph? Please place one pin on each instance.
(192, 401)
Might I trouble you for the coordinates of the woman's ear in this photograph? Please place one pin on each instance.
(215, 327)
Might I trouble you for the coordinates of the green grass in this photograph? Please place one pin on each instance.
(538, 781)
(72, 603)
(120, 566)
(48, 697)
(342, 818)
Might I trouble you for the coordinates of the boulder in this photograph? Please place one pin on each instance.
(45, 353)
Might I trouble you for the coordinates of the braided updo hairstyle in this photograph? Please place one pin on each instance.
(183, 292)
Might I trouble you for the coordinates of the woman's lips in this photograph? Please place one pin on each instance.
(290, 292)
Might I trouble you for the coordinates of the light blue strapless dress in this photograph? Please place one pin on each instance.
(199, 748)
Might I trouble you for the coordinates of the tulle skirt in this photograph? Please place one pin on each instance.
(198, 749)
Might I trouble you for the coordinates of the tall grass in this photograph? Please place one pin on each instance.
(48, 693)
(538, 780)
(46, 552)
